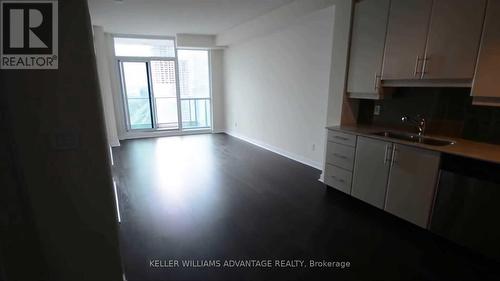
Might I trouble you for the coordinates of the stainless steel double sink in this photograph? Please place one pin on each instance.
(414, 138)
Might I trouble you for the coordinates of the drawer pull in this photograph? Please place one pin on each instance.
(341, 138)
(339, 156)
(337, 179)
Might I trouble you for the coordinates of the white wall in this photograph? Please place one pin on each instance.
(277, 87)
(274, 20)
(217, 83)
(195, 41)
(340, 53)
(116, 87)
(103, 71)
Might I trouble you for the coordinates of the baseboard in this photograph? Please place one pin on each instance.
(115, 143)
(158, 134)
(277, 150)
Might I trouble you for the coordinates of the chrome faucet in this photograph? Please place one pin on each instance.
(419, 122)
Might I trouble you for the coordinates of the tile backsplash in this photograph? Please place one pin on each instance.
(449, 112)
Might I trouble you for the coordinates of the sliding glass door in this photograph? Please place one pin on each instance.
(162, 86)
(150, 91)
(137, 95)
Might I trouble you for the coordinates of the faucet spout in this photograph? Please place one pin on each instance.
(419, 122)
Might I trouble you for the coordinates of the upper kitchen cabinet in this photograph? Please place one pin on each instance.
(367, 48)
(406, 36)
(453, 41)
(485, 87)
(433, 40)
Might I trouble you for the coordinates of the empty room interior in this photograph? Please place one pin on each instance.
(255, 140)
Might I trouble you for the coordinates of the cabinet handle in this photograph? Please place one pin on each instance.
(337, 179)
(424, 66)
(339, 156)
(377, 82)
(415, 71)
(386, 156)
(341, 138)
(394, 155)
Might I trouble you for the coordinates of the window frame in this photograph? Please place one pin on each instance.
(124, 94)
(152, 98)
(128, 36)
(209, 59)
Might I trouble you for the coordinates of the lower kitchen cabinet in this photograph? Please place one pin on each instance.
(371, 170)
(412, 183)
(400, 179)
(338, 178)
(340, 151)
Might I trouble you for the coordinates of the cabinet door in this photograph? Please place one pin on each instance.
(338, 178)
(371, 170)
(488, 70)
(406, 37)
(453, 40)
(367, 46)
(412, 183)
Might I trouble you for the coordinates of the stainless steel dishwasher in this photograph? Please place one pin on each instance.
(467, 204)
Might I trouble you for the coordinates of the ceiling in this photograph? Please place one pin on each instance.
(169, 17)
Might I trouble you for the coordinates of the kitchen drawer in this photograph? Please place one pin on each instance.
(340, 155)
(338, 178)
(342, 138)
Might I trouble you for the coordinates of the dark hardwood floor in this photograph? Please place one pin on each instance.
(214, 197)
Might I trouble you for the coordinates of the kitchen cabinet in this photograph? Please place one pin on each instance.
(453, 40)
(488, 65)
(412, 183)
(400, 179)
(340, 155)
(433, 40)
(338, 178)
(341, 138)
(367, 47)
(371, 170)
(339, 160)
(405, 41)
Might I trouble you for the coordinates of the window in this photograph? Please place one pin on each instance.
(136, 47)
(165, 93)
(159, 88)
(150, 91)
(194, 84)
(137, 95)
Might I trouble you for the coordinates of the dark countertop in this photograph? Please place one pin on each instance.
(462, 147)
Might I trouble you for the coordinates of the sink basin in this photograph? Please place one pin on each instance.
(414, 138)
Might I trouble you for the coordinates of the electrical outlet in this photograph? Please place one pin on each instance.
(235, 124)
(313, 147)
(376, 110)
